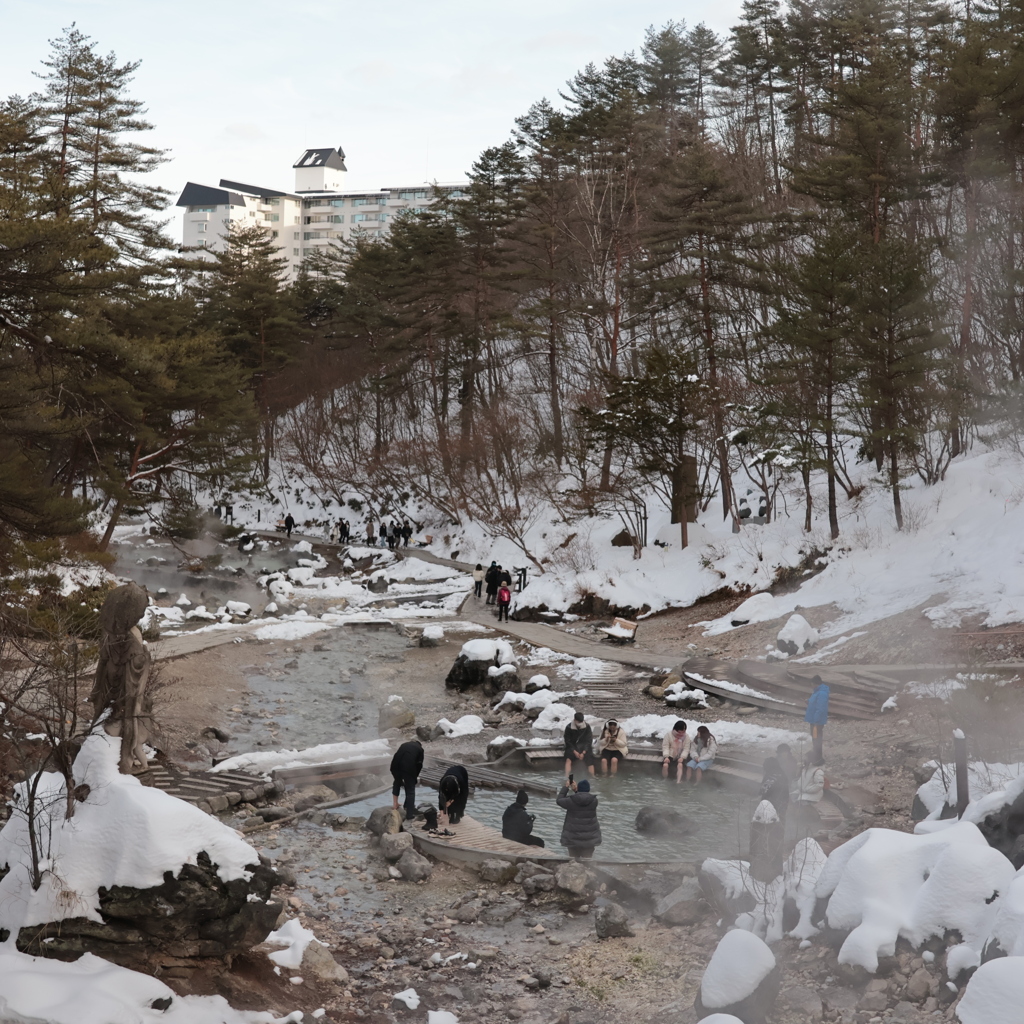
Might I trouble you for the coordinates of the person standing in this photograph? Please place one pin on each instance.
(504, 600)
(817, 716)
(491, 579)
(611, 747)
(775, 787)
(517, 824)
(504, 577)
(406, 766)
(289, 524)
(478, 579)
(371, 536)
(343, 534)
(675, 750)
(579, 744)
(406, 534)
(453, 792)
(703, 751)
(332, 534)
(383, 534)
(581, 831)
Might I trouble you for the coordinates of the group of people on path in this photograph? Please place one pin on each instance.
(499, 586)
(391, 535)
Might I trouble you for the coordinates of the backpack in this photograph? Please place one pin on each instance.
(504, 595)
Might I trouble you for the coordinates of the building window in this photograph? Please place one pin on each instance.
(296, 235)
(358, 217)
(201, 226)
(202, 209)
(273, 201)
(275, 216)
(297, 221)
(273, 234)
(337, 218)
(337, 202)
(295, 252)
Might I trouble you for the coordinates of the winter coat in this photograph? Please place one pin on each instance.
(517, 823)
(775, 789)
(504, 595)
(607, 743)
(478, 575)
(289, 522)
(810, 787)
(817, 706)
(581, 827)
(408, 761)
(704, 752)
(670, 747)
(491, 576)
(578, 740)
(458, 807)
(505, 577)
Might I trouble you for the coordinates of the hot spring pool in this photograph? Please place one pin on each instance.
(719, 816)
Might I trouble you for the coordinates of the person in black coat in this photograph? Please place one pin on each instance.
(289, 524)
(406, 766)
(491, 579)
(581, 832)
(504, 577)
(775, 787)
(517, 824)
(579, 745)
(453, 792)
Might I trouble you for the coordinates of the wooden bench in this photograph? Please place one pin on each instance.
(621, 631)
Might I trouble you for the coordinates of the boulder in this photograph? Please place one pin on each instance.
(573, 877)
(657, 692)
(540, 882)
(378, 583)
(683, 905)
(310, 796)
(414, 867)
(385, 820)
(796, 636)
(661, 821)
(394, 844)
(537, 682)
(497, 749)
(499, 913)
(920, 985)
(466, 673)
(741, 979)
(495, 870)
(318, 961)
(611, 922)
(193, 914)
(802, 1002)
(396, 714)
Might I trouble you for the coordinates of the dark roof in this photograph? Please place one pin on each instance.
(322, 158)
(254, 190)
(207, 195)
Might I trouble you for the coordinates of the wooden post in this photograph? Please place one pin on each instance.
(960, 756)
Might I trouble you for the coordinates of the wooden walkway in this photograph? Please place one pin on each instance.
(474, 842)
(209, 791)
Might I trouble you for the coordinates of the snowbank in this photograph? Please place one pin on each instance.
(991, 785)
(740, 962)
(737, 734)
(554, 717)
(433, 632)
(467, 725)
(123, 833)
(266, 761)
(995, 993)
(884, 885)
(35, 990)
(498, 651)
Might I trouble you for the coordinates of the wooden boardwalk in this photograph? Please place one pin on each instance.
(209, 791)
(474, 842)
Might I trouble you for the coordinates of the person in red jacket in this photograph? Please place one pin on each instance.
(504, 600)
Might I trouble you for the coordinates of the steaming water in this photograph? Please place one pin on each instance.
(718, 818)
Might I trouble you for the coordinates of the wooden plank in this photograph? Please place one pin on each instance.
(474, 842)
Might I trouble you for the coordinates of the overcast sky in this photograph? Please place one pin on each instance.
(411, 91)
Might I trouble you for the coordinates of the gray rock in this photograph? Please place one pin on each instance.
(414, 867)
(660, 821)
(610, 921)
(384, 820)
(499, 913)
(874, 1002)
(573, 877)
(541, 882)
(496, 750)
(839, 999)
(921, 985)
(495, 870)
(683, 905)
(317, 960)
(466, 673)
(429, 641)
(467, 913)
(657, 692)
(395, 715)
(802, 1002)
(543, 976)
(394, 844)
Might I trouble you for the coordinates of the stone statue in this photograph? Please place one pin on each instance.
(119, 695)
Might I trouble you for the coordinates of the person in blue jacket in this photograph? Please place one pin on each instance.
(817, 715)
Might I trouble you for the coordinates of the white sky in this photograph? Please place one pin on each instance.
(411, 91)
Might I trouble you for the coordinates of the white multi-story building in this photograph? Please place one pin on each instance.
(317, 214)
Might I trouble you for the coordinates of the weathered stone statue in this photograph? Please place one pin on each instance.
(122, 675)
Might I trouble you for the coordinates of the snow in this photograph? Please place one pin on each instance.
(759, 608)
(737, 734)
(990, 784)
(238, 608)
(765, 813)
(498, 651)
(740, 688)
(554, 717)
(1008, 927)
(720, 1018)
(538, 699)
(408, 996)
(266, 761)
(740, 962)
(467, 725)
(123, 833)
(679, 694)
(540, 681)
(884, 885)
(294, 938)
(441, 1017)
(433, 632)
(801, 871)
(292, 630)
(183, 602)
(995, 993)
(497, 671)
(799, 633)
(36, 990)
(303, 547)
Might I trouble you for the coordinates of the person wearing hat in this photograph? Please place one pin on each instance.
(452, 793)
(611, 747)
(517, 824)
(581, 831)
(579, 745)
(817, 715)
(675, 750)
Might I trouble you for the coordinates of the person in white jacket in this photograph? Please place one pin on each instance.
(675, 749)
(702, 754)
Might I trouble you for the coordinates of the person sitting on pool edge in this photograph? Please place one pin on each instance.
(453, 792)
(612, 747)
(675, 749)
(517, 825)
(581, 831)
(703, 751)
(579, 745)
